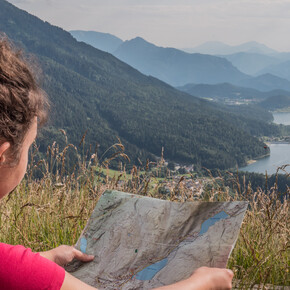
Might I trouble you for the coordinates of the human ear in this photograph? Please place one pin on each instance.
(3, 151)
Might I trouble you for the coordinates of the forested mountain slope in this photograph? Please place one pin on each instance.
(225, 92)
(94, 91)
(276, 102)
(222, 91)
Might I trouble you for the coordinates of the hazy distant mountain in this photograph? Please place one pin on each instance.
(103, 41)
(281, 69)
(283, 56)
(252, 63)
(177, 67)
(266, 82)
(220, 48)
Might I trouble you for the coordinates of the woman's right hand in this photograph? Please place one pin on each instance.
(212, 278)
(205, 278)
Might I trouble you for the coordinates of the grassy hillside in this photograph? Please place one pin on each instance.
(65, 202)
(94, 92)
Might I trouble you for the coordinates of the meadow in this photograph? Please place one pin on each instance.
(52, 204)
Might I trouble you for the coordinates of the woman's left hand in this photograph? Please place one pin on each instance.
(63, 255)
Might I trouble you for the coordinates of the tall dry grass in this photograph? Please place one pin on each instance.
(45, 212)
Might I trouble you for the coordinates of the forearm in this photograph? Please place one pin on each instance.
(72, 283)
(48, 255)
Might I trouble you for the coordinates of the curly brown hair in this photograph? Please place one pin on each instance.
(21, 99)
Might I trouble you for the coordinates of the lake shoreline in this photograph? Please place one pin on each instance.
(279, 156)
(252, 161)
(277, 142)
(284, 110)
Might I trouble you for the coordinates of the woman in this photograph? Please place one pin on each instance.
(23, 105)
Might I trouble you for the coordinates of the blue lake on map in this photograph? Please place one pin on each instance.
(83, 246)
(149, 272)
(211, 221)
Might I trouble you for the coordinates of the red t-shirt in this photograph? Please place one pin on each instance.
(21, 269)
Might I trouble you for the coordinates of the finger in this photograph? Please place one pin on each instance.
(231, 273)
(82, 256)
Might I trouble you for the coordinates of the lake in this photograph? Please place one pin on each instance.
(280, 153)
(282, 118)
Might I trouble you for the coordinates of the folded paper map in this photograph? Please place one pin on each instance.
(141, 242)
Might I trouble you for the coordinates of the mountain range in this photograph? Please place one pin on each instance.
(93, 91)
(217, 47)
(178, 68)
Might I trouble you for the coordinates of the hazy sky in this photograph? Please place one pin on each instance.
(174, 23)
